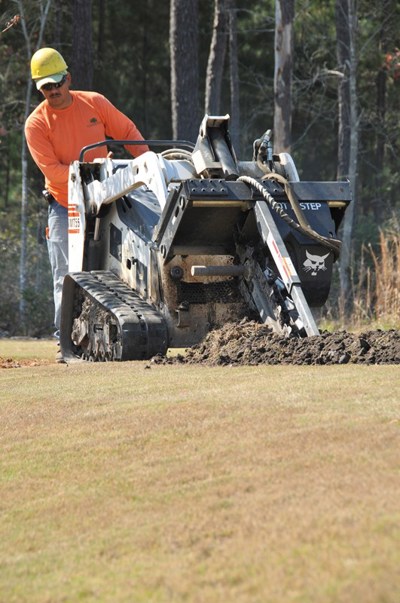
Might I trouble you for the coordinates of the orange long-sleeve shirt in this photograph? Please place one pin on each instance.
(55, 137)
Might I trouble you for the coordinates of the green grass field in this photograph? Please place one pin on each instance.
(138, 483)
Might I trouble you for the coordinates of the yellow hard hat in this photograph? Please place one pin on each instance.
(47, 62)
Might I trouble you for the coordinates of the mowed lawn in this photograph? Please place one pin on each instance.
(143, 483)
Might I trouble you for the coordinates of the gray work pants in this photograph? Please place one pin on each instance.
(57, 245)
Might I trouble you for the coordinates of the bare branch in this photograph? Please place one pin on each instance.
(11, 23)
(332, 72)
(44, 11)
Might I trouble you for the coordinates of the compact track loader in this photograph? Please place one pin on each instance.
(167, 246)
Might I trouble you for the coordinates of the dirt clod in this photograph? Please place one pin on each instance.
(250, 343)
(12, 363)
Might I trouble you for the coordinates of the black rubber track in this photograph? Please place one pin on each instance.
(99, 298)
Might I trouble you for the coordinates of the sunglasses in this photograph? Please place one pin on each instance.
(48, 87)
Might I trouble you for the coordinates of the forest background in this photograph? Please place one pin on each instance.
(150, 58)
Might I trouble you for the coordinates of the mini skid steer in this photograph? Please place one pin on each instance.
(167, 246)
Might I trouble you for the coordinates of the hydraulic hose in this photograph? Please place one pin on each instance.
(176, 154)
(302, 225)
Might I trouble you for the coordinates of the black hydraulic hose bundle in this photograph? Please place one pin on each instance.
(302, 225)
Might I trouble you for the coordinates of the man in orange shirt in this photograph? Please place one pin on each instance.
(56, 131)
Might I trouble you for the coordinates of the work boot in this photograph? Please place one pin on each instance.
(59, 355)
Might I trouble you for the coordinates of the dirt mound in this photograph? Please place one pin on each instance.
(250, 343)
(12, 363)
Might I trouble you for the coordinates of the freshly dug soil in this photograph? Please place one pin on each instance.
(12, 363)
(251, 343)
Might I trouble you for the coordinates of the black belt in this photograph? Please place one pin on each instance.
(48, 196)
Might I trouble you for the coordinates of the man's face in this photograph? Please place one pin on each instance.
(58, 98)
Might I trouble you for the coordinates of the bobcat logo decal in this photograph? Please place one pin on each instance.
(314, 263)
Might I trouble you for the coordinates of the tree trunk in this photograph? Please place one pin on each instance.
(101, 31)
(284, 16)
(43, 12)
(387, 21)
(82, 45)
(7, 180)
(58, 23)
(216, 59)
(146, 69)
(343, 59)
(234, 76)
(349, 219)
(184, 69)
